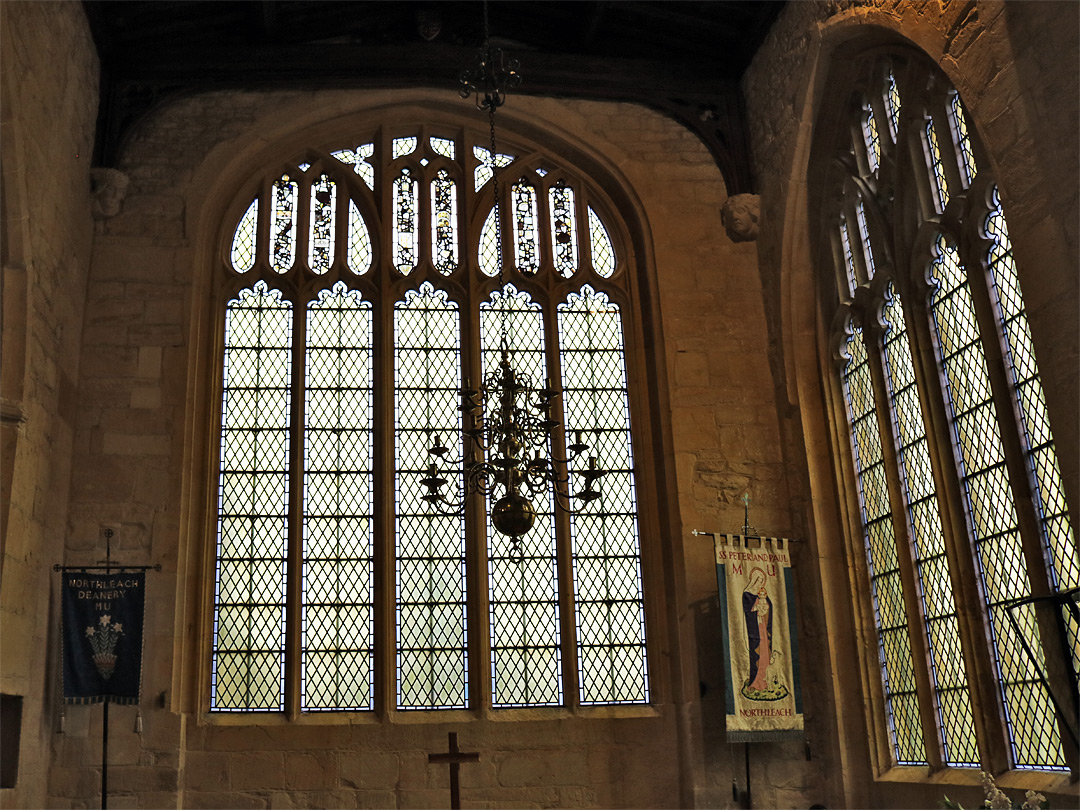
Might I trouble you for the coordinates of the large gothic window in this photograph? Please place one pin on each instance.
(359, 291)
(970, 557)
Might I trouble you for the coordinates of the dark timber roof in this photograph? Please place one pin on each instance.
(682, 58)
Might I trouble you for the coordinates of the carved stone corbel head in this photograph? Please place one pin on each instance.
(739, 216)
(108, 187)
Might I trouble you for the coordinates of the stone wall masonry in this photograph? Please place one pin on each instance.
(48, 105)
(134, 389)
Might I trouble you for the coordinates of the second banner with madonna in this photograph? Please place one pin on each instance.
(760, 647)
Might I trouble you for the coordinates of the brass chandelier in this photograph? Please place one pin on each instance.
(508, 422)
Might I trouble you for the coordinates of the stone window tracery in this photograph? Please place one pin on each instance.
(359, 291)
(947, 431)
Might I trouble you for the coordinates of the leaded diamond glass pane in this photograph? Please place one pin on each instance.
(403, 146)
(849, 258)
(321, 239)
(892, 104)
(603, 252)
(564, 246)
(864, 236)
(483, 172)
(358, 159)
(962, 138)
(1002, 567)
(489, 241)
(871, 141)
(605, 543)
(247, 672)
(526, 229)
(337, 585)
(432, 666)
(931, 564)
(359, 256)
(894, 642)
(937, 170)
(406, 221)
(243, 244)
(444, 221)
(443, 146)
(1039, 440)
(523, 591)
(283, 231)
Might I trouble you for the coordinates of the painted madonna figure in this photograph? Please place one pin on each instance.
(758, 612)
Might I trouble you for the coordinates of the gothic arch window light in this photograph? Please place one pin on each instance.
(374, 262)
(949, 432)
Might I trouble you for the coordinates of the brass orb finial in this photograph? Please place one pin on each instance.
(513, 515)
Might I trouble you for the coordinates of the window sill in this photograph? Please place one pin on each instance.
(432, 716)
(1059, 782)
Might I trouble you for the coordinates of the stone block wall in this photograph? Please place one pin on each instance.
(48, 107)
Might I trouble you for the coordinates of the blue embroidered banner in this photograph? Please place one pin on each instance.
(103, 636)
(760, 645)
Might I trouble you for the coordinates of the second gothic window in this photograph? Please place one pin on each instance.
(359, 291)
(950, 435)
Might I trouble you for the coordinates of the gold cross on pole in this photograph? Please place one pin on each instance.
(454, 758)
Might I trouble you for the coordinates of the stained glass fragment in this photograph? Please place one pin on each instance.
(564, 249)
(444, 240)
(526, 228)
(406, 221)
(321, 239)
(283, 229)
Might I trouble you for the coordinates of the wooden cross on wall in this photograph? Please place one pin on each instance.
(454, 758)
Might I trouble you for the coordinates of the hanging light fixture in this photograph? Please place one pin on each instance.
(508, 421)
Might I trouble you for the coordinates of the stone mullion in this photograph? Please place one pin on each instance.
(295, 521)
(902, 534)
(384, 438)
(563, 539)
(384, 652)
(477, 607)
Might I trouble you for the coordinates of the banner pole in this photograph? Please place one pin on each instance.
(105, 758)
(105, 712)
